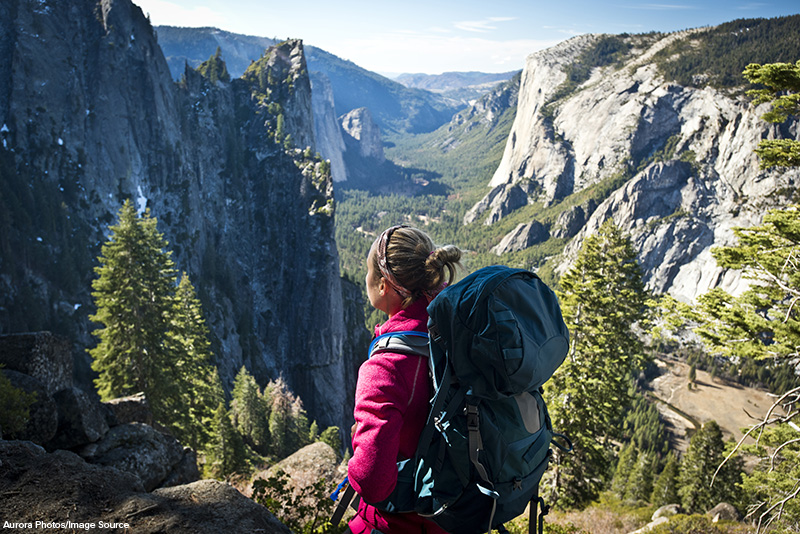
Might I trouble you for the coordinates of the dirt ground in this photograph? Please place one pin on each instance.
(732, 406)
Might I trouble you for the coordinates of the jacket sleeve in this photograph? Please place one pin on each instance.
(382, 397)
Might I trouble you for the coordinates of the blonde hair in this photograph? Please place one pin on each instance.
(415, 262)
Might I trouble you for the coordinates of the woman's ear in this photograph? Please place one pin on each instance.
(382, 286)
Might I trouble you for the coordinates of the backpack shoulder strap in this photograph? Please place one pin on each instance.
(405, 342)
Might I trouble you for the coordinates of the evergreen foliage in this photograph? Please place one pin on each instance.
(643, 427)
(782, 82)
(250, 412)
(153, 336)
(603, 300)
(665, 487)
(225, 454)
(717, 56)
(214, 68)
(14, 407)
(289, 427)
(763, 321)
(773, 485)
(698, 466)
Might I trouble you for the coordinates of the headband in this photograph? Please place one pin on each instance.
(383, 265)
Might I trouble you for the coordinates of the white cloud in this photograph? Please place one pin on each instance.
(481, 26)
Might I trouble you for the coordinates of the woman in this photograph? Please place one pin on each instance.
(404, 273)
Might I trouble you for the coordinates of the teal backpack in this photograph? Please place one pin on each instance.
(495, 338)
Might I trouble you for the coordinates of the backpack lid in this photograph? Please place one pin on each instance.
(500, 329)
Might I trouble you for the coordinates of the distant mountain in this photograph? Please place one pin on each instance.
(449, 81)
(394, 107)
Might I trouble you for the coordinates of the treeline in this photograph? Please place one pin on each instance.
(717, 56)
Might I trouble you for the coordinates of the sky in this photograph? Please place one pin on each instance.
(432, 37)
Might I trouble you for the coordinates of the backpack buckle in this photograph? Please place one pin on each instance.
(472, 417)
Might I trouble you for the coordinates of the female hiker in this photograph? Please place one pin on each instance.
(405, 272)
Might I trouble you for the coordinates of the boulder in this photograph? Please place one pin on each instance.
(138, 449)
(651, 525)
(131, 409)
(305, 467)
(725, 512)
(42, 355)
(81, 419)
(185, 471)
(39, 486)
(668, 510)
(43, 421)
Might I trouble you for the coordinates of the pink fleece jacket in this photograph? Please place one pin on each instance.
(392, 397)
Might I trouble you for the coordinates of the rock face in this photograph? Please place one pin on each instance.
(327, 130)
(38, 486)
(362, 134)
(90, 116)
(522, 237)
(681, 159)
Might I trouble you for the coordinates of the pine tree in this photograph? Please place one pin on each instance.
(280, 419)
(665, 489)
(603, 299)
(705, 454)
(625, 465)
(154, 338)
(782, 89)
(196, 389)
(225, 453)
(640, 481)
(134, 298)
(249, 411)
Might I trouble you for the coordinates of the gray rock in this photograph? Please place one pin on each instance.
(131, 409)
(185, 471)
(35, 484)
(668, 510)
(364, 133)
(81, 419)
(724, 512)
(45, 357)
(523, 236)
(43, 413)
(138, 449)
(698, 177)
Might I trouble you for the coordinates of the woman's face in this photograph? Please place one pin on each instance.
(373, 281)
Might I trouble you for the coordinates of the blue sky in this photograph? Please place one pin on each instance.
(393, 37)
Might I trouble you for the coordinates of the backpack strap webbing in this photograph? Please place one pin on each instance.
(406, 342)
(348, 498)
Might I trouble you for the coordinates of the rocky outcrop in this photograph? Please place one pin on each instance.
(327, 129)
(61, 487)
(522, 237)
(71, 419)
(90, 116)
(681, 159)
(363, 134)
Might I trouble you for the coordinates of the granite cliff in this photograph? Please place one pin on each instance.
(90, 116)
(678, 161)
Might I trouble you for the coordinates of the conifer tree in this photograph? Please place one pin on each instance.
(781, 82)
(625, 465)
(280, 419)
(705, 454)
(603, 299)
(665, 489)
(153, 337)
(225, 454)
(640, 481)
(196, 386)
(134, 298)
(250, 412)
